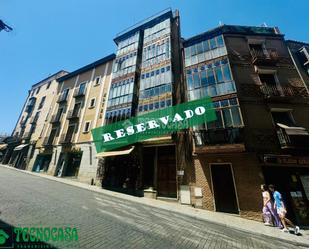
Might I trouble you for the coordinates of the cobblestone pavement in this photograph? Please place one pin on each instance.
(108, 222)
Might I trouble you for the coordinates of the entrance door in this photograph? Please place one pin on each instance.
(223, 188)
(73, 164)
(166, 177)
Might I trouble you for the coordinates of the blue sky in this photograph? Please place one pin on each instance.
(67, 34)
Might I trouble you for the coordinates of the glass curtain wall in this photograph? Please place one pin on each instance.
(156, 74)
(120, 98)
(208, 73)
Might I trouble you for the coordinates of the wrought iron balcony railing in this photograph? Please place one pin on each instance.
(62, 98)
(283, 91)
(73, 114)
(293, 137)
(267, 57)
(218, 136)
(56, 118)
(66, 138)
(79, 92)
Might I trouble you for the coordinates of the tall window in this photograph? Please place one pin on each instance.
(284, 117)
(82, 88)
(87, 126)
(211, 79)
(48, 85)
(42, 102)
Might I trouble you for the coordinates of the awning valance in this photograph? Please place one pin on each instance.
(20, 147)
(3, 146)
(294, 130)
(116, 152)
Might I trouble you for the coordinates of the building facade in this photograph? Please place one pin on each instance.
(257, 81)
(68, 148)
(146, 77)
(261, 132)
(32, 121)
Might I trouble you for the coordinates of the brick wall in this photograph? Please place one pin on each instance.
(248, 178)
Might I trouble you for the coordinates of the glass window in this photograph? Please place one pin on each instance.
(189, 81)
(156, 91)
(156, 105)
(217, 123)
(162, 103)
(145, 108)
(196, 80)
(219, 74)
(210, 76)
(187, 52)
(226, 72)
(236, 116)
(203, 78)
(212, 90)
(233, 101)
(212, 43)
(169, 102)
(216, 104)
(199, 48)
(151, 106)
(224, 103)
(227, 117)
(206, 45)
(193, 50)
(131, 87)
(220, 41)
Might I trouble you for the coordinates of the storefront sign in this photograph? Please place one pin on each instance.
(287, 160)
(153, 124)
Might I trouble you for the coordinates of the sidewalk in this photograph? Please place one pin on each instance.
(231, 221)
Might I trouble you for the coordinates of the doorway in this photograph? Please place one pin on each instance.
(224, 188)
(166, 166)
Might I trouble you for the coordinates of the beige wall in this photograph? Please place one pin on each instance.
(45, 111)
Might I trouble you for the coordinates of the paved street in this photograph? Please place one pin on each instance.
(108, 222)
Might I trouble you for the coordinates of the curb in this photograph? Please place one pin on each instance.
(156, 203)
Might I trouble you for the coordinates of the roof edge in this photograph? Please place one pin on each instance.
(87, 67)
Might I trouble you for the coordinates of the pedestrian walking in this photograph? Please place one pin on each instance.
(281, 210)
(270, 215)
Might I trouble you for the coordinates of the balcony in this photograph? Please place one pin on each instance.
(27, 135)
(73, 114)
(79, 92)
(292, 137)
(62, 98)
(34, 119)
(55, 119)
(66, 139)
(269, 58)
(282, 91)
(48, 141)
(218, 136)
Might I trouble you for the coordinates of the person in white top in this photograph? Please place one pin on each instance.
(270, 215)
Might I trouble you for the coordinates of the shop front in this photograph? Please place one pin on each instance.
(159, 171)
(19, 156)
(290, 175)
(121, 170)
(69, 163)
(42, 162)
(142, 170)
